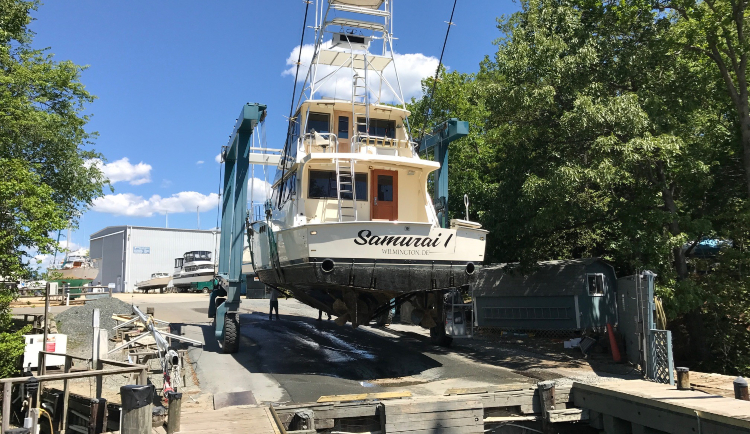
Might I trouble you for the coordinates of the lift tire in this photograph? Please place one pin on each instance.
(205, 290)
(384, 319)
(231, 342)
(439, 337)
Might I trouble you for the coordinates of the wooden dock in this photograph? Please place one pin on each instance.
(247, 419)
(638, 406)
(616, 407)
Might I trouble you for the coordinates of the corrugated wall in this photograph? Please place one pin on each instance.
(106, 247)
(153, 250)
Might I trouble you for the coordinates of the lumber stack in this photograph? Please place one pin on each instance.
(448, 415)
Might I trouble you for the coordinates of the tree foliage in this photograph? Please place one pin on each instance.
(603, 128)
(46, 180)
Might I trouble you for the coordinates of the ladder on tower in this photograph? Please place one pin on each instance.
(346, 190)
(360, 105)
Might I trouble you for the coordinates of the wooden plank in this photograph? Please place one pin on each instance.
(568, 415)
(506, 419)
(447, 430)
(415, 406)
(488, 389)
(364, 396)
(434, 424)
(445, 415)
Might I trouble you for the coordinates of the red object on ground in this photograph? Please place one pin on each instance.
(613, 344)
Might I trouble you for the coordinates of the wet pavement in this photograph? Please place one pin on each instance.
(300, 359)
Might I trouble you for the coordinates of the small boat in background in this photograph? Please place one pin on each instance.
(157, 281)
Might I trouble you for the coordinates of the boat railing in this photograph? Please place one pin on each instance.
(315, 142)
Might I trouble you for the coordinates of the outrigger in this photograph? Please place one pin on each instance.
(350, 227)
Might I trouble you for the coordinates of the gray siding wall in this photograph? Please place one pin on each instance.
(107, 249)
(535, 313)
(597, 311)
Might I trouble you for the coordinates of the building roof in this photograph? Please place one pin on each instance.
(549, 278)
(152, 228)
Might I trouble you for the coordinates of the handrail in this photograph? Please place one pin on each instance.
(74, 375)
(7, 383)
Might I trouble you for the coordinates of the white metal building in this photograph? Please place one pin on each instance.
(127, 255)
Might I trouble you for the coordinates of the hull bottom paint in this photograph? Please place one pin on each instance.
(360, 292)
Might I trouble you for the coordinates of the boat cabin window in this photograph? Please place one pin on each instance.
(343, 129)
(322, 185)
(378, 127)
(178, 262)
(318, 122)
(197, 256)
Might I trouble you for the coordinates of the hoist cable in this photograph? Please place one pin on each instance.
(437, 72)
(287, 143)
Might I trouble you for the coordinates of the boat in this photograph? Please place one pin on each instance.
(193, 267)
(350, 227)
(157, 280)
(76, 270)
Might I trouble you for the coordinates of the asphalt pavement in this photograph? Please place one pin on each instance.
(299, 359)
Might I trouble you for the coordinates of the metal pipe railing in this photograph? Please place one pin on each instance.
(7, 383)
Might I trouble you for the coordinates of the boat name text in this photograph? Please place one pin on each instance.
(365, 237)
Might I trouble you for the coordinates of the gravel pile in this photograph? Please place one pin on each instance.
(76, 322)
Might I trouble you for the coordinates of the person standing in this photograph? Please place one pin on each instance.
(274, 304)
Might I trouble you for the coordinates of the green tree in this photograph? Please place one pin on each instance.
(46, 180)
(598, 133)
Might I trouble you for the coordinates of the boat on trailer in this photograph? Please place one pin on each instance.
(350, 227)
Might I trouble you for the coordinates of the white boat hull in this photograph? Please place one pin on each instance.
(187, 280)
(159, 282)
(375, 261)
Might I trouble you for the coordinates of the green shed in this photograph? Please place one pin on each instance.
(576, 294)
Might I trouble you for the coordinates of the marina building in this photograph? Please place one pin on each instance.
(126, 255)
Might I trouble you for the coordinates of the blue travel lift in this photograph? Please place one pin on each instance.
(439, 139)
(225, 298)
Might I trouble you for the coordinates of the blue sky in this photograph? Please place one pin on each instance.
(171, 77)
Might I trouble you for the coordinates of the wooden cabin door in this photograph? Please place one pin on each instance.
(384, 195)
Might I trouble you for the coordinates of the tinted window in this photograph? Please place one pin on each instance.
(323, 185)
(379, 127)
(343, 129)
(317, 122)
(385, 188)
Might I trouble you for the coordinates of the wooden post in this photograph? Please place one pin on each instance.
(43, 369)
(175, 412)
(99, 379)
(136, 409)
(740, 389)
(66, 395)
(683, 378)
(547, 401)
(143, 378)
(34, 415)
(7, 396)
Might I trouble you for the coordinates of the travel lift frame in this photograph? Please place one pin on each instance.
(225, 298)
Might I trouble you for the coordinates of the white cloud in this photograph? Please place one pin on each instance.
(199, 162)
(261, 189)
(129, 204)
(218, 158)
(412, 68)
(123, 170)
